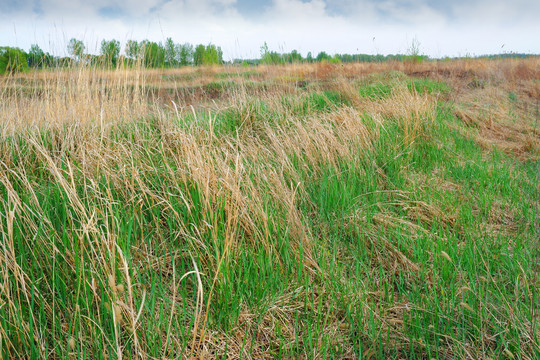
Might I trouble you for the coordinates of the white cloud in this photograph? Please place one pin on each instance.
(297, 9)
(418, 12)
(498, 12)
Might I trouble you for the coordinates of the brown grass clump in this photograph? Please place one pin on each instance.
(502, 103)
(504, 119)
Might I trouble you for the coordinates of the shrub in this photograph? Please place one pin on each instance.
(12, 60)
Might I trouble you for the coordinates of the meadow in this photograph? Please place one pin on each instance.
(304, 211)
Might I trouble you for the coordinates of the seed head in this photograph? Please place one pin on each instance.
(111, 282)
(509, 354)
(120, 288)
(466, 306)
(71, 343)
(446, 256)
(117, 313)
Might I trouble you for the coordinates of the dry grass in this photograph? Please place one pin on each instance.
(113, 180)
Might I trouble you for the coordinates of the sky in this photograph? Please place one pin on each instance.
(439, 27)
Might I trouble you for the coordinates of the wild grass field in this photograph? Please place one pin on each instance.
(373, 211)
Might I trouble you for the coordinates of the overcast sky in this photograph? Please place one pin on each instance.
(240, 27)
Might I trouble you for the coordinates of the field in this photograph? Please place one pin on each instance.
(312, 211)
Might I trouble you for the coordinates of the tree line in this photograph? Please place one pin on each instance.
(273, 57)
(146, 53)
(167, 54)
(170, 55)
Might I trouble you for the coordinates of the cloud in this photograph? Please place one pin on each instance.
(314, 9)
(196, 9)
(241, 26)
(408, 12)
(253, 8)
(111, 12)
(497, 12)
(11, 6)
(382, 12)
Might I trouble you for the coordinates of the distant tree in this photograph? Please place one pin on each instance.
(144, 46)
(265, 54)
(159, 55)
(323, 56)
(264, 51)
(132, 50)
(309, 57)
(95, 60)
(270, 57)
(212, 55)
(76, 49)
(184, 53)
(110, 51)
(65, 61)
(171, 55)
(48, 60)
(414, 48)
(153, 54)
(198, 55)
(413, 52)
(35, 57)
(335, 59)
(296, 56)
(12, 60)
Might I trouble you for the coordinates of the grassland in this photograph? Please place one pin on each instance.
(304, 211)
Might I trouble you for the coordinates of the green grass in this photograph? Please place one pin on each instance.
(246, 74)
(423, 250)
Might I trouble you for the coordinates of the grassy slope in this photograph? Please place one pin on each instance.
(344, 217)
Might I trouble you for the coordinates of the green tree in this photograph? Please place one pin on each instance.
(413, 52)
(184, 53)
(95, 60)
(335, 59)
(264, 51)
(153, 54)
(198, 55)
(12, 60)
(171, 55)
(144, 47)
(48, 60)
(269, 57)
(265, 54)
(213, 55)
(76, 49)
(293, 57)
(110, 51)
(132, 50)
(309, 57)
(323, 56)
(296, 56)
(36, 57)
